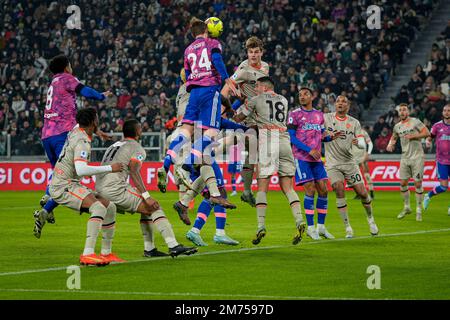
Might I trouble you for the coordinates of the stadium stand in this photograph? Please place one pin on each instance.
(426, 93)
(135, 49)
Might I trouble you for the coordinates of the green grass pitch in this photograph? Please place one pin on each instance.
(413, 257)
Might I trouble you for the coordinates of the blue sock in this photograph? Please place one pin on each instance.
(221, 217)
(218, 174)
(233, 183)
(308, 204)
(204, 209)
(173, 149)
(322, 209)
(197, 149)
(437, 190)
(46, 191)
(50, 205)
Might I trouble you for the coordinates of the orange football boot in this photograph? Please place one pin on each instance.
(112, 258)
(93, 260)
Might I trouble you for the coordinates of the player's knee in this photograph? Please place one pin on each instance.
(419, 190)
(404, 188)
(444, 187)
(97, 209)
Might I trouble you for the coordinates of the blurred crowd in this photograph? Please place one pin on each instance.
(135, 49)
(426, 93)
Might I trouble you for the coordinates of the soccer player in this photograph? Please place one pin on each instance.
(116, 189)
(411, 131)
(306, 127)
(205, 72)
(66, 189)
(341, 165)
(441, 132)
(235, 164)
(362, 156)
(59, 117)
(269, 110)
(245, 76)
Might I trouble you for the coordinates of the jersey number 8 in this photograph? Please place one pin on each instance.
(48, 104)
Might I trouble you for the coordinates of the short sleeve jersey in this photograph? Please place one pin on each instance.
(76, 148)
(123, 152)
(339, 151)
(269, 110)
(308, 126)
(60, 109)
(245, 77)
(411, 149)
(441, 132)
(198, 61)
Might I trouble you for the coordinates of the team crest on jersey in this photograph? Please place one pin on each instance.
(83, 154)
(348, 125)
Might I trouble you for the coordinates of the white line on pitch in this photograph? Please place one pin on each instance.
(245, 249)
(182, 294)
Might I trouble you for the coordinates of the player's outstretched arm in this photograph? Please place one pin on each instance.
(91, 93)
(83, 169)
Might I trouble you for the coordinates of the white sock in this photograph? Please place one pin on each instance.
(220, 232)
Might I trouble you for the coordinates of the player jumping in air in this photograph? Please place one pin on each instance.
(341, 165)
(205, 72)
(246, 75)
(116, 189)
(66, 189)
(362, 156)
(306, 128)
(411, 131)
(269, 110)
(441, 132)
(59, 117)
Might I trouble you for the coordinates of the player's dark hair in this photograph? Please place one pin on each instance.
(130, 128)
(197, 27)
(306, 88)
(86, 117)
(266, 80)
(58, 64)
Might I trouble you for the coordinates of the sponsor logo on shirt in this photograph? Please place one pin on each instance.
(312, 126)
(50, 115)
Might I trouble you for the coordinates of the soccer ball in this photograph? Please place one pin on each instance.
(215, 26)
